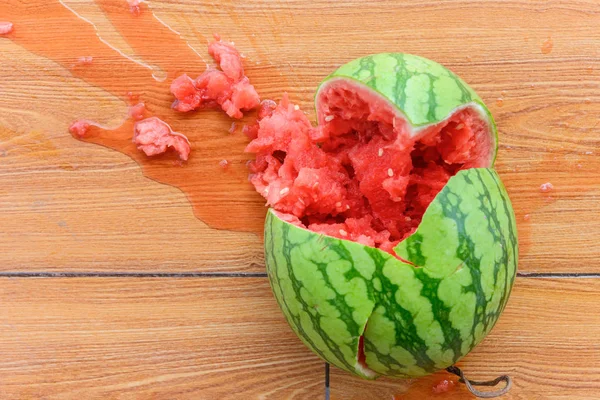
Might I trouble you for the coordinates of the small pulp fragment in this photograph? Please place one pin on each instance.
(6, 28)
(154, 136)
(79, 128)
(546, 187)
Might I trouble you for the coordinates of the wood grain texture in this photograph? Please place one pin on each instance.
(547, 340)
(69, 206)
(75, 207)
(103, 338)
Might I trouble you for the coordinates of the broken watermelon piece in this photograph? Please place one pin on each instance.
(6, 28)
(228, 88)
(154, 136)
(80, 128)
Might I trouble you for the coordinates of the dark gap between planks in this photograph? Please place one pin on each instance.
(41, 274)
(327, 395)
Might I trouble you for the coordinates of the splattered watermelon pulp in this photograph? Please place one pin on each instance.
(366, 173)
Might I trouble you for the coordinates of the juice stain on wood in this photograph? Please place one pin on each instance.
(222, 198)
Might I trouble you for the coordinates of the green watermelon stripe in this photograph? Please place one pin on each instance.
(339, 301)
(491, 217)
(432, 98)
(512, 233)
(466, 94)
(415, 255)
(452, 337)
(399, 95)
(385, 359)
(281, 299)
(367, 64)
(467, 249)
(406, 335)
(314, 318)
(422, 360)
(296, 325)
(465, 252)
(345, 254)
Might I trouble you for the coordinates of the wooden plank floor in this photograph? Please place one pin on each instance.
(110, 287)
(210, 338)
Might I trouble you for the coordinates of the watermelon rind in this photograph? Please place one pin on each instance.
(421, 91)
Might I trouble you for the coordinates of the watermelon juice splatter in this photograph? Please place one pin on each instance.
(137, 81)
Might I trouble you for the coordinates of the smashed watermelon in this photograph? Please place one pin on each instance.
(391, 243)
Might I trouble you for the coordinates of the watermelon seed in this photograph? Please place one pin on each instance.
(343, 232)
(329, 118)
(390, 172)
(460, 126)
(284, 191)
(380, 152)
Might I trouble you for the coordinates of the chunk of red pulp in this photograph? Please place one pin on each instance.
(137, 111)
(85, 60)
(6, 28)
(228, 88)
(154, 136)
(443, 386)
(79, 128)
(135, 6)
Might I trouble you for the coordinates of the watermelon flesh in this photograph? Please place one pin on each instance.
(228, 88)
(365, 174)
(154, 136)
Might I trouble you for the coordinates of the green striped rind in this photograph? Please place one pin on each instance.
(423, 91)
(421, 318)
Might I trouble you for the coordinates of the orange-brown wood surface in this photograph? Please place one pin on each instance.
(129, 306)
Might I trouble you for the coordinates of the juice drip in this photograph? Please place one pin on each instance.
(220, 197)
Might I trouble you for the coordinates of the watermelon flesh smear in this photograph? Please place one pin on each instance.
(365, 174)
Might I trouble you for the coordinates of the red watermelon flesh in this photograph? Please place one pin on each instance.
(228, 88)
(364, 174)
